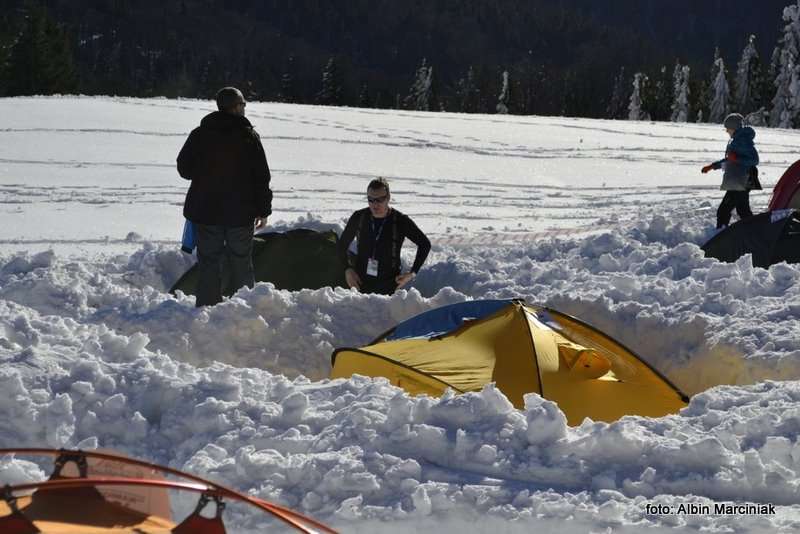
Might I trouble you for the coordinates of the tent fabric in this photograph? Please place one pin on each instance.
(771, 237)
(522, 349)
(106, 492)
(786, 193)
(442, 320)
(83, 511)
(293, 260)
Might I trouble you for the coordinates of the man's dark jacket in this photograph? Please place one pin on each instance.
(225, 161)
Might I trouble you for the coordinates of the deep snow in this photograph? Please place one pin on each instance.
(599, 219)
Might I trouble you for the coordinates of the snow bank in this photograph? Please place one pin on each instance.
(701, 322)
(95, 353)
(353, 450)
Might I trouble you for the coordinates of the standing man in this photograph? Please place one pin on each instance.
(228, 196)
(741, 157)
(380, 231)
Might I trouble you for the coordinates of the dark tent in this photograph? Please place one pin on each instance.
(771, 237)
(293, 260)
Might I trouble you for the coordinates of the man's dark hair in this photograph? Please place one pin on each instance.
(379, 183)
(228, 97)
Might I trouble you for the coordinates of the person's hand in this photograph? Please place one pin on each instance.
(352, 278)
(260, 222)
(403, 279)
(706, 168)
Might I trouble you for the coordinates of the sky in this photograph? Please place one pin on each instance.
(598, 219)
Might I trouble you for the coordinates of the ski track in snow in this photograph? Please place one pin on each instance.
(95, 353)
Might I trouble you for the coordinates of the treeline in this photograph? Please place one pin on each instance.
(766, 92)
(518, 56)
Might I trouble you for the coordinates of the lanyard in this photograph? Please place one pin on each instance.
(376, 234)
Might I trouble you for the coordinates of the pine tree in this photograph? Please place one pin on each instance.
(468, 93)
(502, 99)
(700, 101)
(749, 79)
(287, 92)
(7, 37)
(619, 97)
(657, 96)
(780, 115)
(785, 104)
(379, 102)
(680, 101)
(635, 111)
(720, 101)
(364, 96)
(419, 95)
(41, 59)
(772, 75)
(331, 92)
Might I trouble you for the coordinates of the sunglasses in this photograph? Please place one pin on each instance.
(377, 200)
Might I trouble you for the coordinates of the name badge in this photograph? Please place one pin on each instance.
(372, 267)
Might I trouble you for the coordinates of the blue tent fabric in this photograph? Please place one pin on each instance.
(445, 319)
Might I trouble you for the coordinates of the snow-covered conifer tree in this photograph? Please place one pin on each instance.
(660, 95)
(785, 104)
(680, 100)
(749, 79)
(502, 100)
(720, 101)
(468, 92)
(635, 111)
(420, 93)
(619, 96)
(331, 92)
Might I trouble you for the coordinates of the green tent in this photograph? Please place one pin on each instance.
(293, 260)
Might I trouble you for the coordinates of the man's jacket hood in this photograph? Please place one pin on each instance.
(219, 120)
(745, 133)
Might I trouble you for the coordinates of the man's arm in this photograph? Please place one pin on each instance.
(421, 240)
(262, 178)
(343, 245)
(348, 234)
(187, 157)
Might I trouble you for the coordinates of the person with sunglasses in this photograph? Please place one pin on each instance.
(380, 230)
(228, 196)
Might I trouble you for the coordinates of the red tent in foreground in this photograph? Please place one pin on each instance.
(786, 193)
(104, 497)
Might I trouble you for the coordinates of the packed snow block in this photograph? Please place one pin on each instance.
(771, 237)
(293, 260)
(521, 348)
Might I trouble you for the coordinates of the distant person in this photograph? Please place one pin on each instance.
(740, 174)
(228, 196)
(380, 231)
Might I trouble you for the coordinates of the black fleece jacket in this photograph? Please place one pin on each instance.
(390, 232)
(225, 161)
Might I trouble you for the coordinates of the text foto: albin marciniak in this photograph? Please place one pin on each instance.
(719, 508)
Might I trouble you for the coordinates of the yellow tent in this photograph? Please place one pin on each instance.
(521, 348)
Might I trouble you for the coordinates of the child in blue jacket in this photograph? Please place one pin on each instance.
(740, 158)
